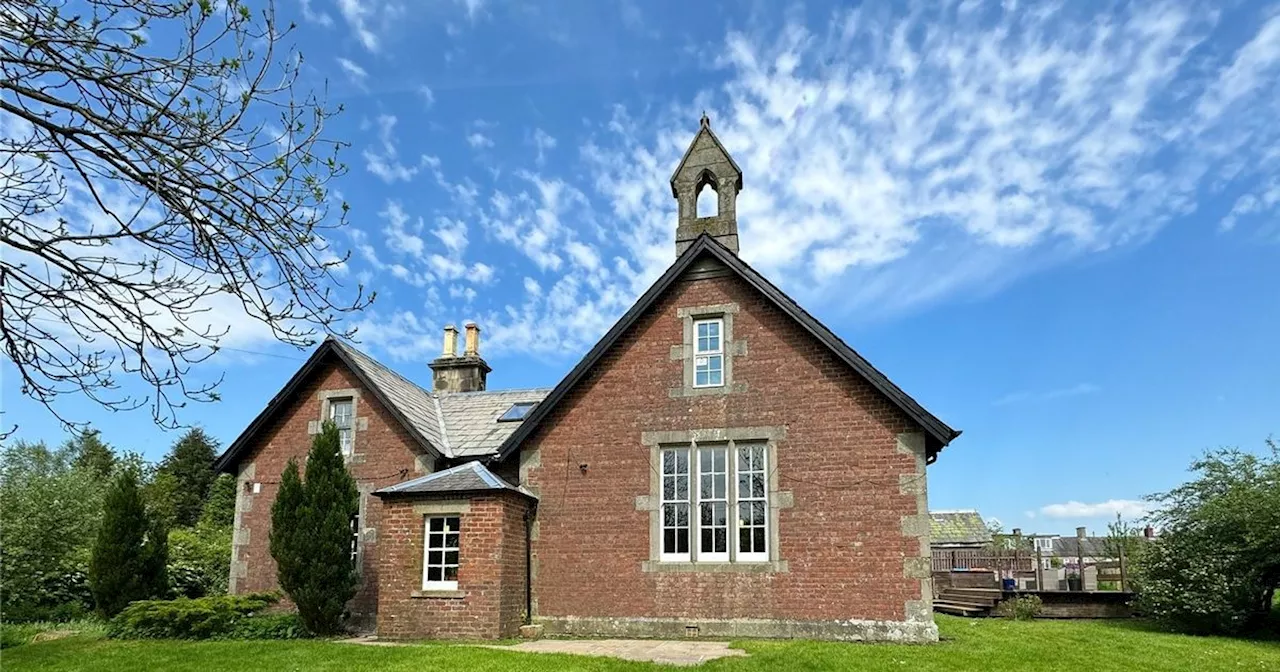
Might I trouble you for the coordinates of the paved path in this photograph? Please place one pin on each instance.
(646, 650)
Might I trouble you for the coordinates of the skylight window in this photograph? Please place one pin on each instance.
(518, 411)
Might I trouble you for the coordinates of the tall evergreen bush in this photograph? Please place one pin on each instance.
(127, 562)
(311, 534)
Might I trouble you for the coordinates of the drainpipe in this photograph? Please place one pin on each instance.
(528, 567)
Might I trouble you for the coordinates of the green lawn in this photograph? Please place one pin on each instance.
(989, 644)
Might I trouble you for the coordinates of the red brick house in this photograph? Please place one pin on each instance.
(719, 464)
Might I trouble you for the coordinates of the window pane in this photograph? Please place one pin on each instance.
(669, 541)
(437, 524)
(451, 573)
(701, 377)
(452, 524)
(434, 573)
(451, 557)
(451, 540)
(715, 378)
(435, 558)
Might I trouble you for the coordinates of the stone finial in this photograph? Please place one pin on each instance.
(706, 164)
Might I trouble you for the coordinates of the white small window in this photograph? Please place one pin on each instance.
(342, 412)
(675, 505)
(753, 504)
(708, 353)
(355, 541)
(440, 553)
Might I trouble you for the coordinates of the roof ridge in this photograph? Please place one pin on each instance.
(444, 430)
(351, 348)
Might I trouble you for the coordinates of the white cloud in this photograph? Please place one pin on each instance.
(453, 233)
(482, 273)
(1127, 508)
(354, 72)
(897, 159)
(428, 96)
(1047, 395)
(320, 18)
(368, 18)
(543, 143)
(383, 160)
(472, 7)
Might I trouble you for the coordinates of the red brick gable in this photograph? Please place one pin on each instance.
(384, 454)
(847, 545)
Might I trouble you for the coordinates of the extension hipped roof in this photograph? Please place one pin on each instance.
(937, 432)
(450, 426)
(468, 477)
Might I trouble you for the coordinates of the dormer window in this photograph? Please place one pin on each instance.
(518, 411)
(708, 353)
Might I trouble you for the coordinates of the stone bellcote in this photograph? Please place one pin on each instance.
(706, 165)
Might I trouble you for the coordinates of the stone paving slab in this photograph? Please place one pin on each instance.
(666, 652)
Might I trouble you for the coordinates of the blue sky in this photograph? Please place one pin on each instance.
(1054, 225)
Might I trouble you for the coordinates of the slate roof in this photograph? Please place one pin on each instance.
(471, 419)
(461, 425)
(957, 528)
(468, 477)
(417, 405)
(1069, 547)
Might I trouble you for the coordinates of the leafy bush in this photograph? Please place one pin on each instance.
(1216, 566)
(49, 516)
(1023, 608)
(199, 560)
(269, 626)
(216, 617)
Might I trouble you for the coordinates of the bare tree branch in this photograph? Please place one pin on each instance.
(158, 165)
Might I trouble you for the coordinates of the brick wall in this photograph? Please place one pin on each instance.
(846, 539)
(382, 448)
(489, 602)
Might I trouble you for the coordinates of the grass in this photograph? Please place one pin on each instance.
(986, 644)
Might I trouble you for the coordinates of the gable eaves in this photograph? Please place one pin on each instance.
(235, 452)
(938, 432)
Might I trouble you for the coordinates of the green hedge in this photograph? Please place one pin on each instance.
(216, 617)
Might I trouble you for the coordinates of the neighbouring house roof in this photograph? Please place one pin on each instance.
(468, 477)
(957, 528)
(1071, 547)
(939, 434)
(457, 425)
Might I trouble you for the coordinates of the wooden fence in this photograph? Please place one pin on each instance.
(945, 560)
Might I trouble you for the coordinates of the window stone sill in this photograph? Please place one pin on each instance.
(721, 390)
(773, 567)
(438, 594)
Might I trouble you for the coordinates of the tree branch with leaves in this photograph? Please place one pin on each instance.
(162, 174)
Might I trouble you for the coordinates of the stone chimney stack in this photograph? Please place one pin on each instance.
(450, 341)
(452, 372)
(1080, 533)
(707, 165)
(1149, 532)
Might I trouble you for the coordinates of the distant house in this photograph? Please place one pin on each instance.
(957, 529)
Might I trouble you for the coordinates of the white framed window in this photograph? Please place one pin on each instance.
(675, 505)
(713, 503)
(440, 553)
(731, 501)
(708, 352)
(342, 412)
(753, 503)
(355, 541)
